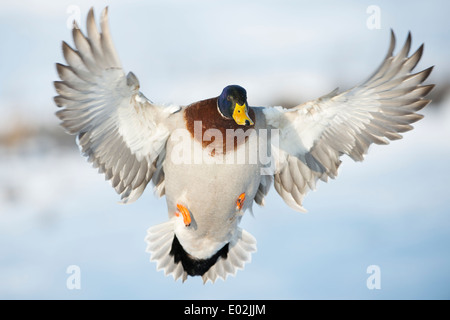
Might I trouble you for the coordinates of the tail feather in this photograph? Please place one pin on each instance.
(159, 243)
(160, 239)
(240, 252)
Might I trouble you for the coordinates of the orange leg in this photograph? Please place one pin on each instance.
(240, 201)
(186, 215)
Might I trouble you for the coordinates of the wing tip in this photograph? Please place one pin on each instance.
(59, 103)
(409, 37)
(60, 69)
(65, 46)
(104, 15)
(391, 44)
(91, 12)
(75, 25)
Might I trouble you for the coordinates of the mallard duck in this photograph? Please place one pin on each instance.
(214, 158)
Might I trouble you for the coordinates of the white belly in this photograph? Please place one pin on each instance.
(209, 187)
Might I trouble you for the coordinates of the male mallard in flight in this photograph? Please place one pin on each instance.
(210, 158)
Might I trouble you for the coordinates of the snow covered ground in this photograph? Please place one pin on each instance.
(390, 211)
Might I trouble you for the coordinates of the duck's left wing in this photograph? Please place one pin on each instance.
(118, 128)
(313, 135)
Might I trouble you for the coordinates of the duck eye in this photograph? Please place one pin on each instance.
(228, 98)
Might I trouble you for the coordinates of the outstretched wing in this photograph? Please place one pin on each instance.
(118, 129)
(313, 135)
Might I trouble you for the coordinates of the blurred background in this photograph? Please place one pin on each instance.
(390, 211)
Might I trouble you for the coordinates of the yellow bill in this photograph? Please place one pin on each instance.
(240, 115)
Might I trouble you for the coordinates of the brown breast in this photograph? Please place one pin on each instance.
(206, 111)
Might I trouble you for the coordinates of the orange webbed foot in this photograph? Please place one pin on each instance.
(186, 215)
(240, 201)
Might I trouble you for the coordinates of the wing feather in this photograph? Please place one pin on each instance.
(317, 133)
(118, 129)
